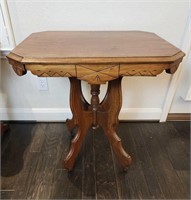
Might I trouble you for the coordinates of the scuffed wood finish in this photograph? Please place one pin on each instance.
(95, 46)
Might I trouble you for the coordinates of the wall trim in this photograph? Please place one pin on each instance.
(140, 114)
(175, 78)
(179, 117)
(3, 53)
(61, 114)
(188, 95)
(36, 114)
(8, 23)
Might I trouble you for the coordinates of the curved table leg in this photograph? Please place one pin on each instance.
(77, 143)
(76, 98)
(82, 118)
(104, 114)
(108, 119)
(123, 157)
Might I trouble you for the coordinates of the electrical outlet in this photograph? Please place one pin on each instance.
(42, 83)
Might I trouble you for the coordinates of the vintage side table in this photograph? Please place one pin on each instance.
(95, 57)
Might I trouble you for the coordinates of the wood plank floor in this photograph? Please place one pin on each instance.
(32, 153)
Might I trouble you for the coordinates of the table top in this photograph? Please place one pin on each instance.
(86, 48)
(55, 46)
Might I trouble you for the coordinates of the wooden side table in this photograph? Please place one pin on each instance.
(95, 57)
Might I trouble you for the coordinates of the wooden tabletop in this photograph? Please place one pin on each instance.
(95, 56)
(93, 46)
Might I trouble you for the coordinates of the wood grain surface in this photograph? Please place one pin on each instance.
(93, 44)
(160, 168)
(95, 56)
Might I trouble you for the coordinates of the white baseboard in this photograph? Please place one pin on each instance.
(61, 114)
(140, 114)
(36, 114)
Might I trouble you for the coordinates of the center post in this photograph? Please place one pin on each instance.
(95, 91)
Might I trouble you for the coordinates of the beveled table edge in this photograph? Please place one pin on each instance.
(94, 60)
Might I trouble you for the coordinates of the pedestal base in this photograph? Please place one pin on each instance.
(104, 114)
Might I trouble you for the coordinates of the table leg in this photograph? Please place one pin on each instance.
(108, 120)
(82, 118)
(75, 96)
(104, 114)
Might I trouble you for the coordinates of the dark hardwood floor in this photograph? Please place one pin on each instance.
(32, 153)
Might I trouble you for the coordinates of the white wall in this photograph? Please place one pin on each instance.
(180, 104)
(143, 97)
